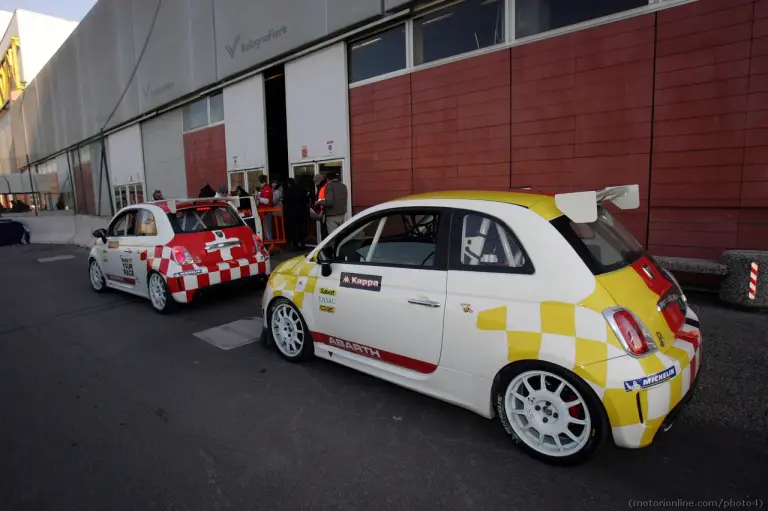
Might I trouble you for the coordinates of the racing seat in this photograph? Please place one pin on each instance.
(148, 227)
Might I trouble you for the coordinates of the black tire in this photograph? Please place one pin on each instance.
(103, 288)
(307, 349)
(598, 420)
(169, 304)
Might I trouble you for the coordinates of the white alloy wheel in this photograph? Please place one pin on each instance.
(157, 292)
(288, 330)
(548, 413)
(97, 277)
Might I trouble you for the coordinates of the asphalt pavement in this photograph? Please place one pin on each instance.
(107, 405)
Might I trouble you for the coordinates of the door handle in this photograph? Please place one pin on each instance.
(425, 303)
(128, 251)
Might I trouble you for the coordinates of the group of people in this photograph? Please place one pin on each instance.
(17, 206)
(328, 205)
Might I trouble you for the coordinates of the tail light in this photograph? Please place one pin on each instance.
(181, 256)
(630, 331)
(258, 244)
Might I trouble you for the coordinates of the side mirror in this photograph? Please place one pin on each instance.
(101, 234)
(325, 263)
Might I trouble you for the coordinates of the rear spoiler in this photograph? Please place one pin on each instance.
(581, 207)
(172, 202)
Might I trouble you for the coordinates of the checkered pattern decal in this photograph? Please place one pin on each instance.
(295, 285)
(184, 287)
(580, 340)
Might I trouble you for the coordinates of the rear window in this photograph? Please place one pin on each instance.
(604, 245)
(203, 218)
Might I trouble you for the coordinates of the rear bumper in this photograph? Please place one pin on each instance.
(185, 283)
(657, 407)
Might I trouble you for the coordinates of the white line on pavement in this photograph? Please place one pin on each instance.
(55, 258)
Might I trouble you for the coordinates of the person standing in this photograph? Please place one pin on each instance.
(157, 195)
(294, 206)
(334, 202)
(265, 200)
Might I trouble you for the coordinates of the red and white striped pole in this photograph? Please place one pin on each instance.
(753, 281)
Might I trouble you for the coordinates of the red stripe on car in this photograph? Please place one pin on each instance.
(418, 366)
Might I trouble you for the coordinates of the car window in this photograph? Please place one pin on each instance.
(484, 243)
(203, 218)
(119, 226)
(604, 245)
(402, 239)
(146, 223)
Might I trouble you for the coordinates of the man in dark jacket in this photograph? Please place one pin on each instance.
(295, 203)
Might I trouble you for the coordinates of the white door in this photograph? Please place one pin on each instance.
(118, 264)
(385, 297)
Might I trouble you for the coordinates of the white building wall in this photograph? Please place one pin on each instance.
(317, 97)
(245, 127)
(10, 29)
(6, 145)
(40, 36)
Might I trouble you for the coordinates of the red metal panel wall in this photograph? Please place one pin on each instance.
(700, 112)
(676, 101)
(581, 111)
(753, 217)
(460, 115)
(205, 157)
(381, 141)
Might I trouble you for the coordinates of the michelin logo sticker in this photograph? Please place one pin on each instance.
(650, 381)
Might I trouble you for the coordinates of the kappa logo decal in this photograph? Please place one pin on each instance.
(650, 381)
(359, 281)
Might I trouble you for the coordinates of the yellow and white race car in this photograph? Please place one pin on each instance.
(541, 310)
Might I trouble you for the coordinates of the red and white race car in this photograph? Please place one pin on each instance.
(169, 250)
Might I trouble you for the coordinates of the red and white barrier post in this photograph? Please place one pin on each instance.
(753, 281)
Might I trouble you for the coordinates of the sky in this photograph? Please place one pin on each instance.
(69, 9)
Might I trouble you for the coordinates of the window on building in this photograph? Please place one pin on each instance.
(195, 114)
(536, 16)
(203, 112)
(377, 54)
(458, 28)
(217, 107)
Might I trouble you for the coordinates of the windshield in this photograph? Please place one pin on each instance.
(604, 245)
(204, 218)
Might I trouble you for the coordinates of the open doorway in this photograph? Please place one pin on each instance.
(277, 123)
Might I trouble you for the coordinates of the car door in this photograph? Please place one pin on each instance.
(384, 298)
(490, 290)
(145, 239)
(120, 251)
